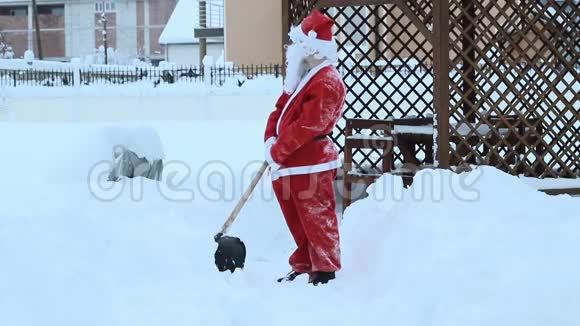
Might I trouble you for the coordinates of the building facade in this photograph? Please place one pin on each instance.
(253, 31)
(74, 28)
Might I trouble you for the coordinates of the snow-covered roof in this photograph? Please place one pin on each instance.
(185, 18)
(179, 28)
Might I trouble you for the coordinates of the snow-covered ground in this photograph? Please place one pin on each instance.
(481, 248)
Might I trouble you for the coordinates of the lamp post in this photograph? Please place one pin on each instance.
(104, 22)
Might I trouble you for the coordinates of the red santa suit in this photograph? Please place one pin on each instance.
(296, 136)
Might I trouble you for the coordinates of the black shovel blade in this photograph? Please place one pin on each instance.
(230, 253)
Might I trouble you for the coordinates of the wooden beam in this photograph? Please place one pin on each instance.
(415, 19)
(468, 84)
(441, 79)
(350, 3)
(208, 32)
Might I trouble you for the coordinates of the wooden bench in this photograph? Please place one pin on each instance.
(369, 140)
(408, 134)
(510, 133)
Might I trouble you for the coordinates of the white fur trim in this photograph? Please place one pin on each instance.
(306, 169)
(327, 49)
(303, 83)
(268, 156)
(270, 141)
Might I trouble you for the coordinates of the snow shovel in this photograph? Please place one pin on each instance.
(231, 251)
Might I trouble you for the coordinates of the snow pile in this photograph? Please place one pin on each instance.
(88, 64)
(2, 98)
(142, 140)
(28, 56)
(480, 248)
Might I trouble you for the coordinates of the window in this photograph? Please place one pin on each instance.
(106, 6)
(52, 10)
(14, 11)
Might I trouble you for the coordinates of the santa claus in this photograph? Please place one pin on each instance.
(303, 159)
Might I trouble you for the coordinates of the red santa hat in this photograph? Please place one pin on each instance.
(315, 33)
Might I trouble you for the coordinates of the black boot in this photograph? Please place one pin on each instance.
(290, 277)
(322, 277)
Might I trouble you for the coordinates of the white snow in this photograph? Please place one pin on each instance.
(479, 248)
(142, 140)
(465, 129)
(2, 97)
(88, 64)
(417, 130)
(28, 55)
(179, 28)
(552, 183)
(262, 85)
(411, 257)
(369, 137)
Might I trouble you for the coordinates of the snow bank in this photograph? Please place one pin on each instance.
(32, 64)
(474, 249)
(480, 248)
(141, 140)
(2, 98)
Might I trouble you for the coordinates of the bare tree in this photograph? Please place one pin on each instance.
(6, 51)
(3, 45)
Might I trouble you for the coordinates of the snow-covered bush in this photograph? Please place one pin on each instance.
(6, 51)
(137, 152)
(2, 98)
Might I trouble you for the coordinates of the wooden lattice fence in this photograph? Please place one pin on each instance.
(501, 78)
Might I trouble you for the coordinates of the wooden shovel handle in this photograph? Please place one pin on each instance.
(243, 200)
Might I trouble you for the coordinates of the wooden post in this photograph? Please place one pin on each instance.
(376, 32)
(469, 59)
(441, 78)
(37, 28)
(285, 31)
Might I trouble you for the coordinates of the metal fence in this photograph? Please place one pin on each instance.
(40, 77)
(219, 74)
(501, 78)
(104, 75)
(117, 75)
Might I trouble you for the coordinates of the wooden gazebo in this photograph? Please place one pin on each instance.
(499, 81)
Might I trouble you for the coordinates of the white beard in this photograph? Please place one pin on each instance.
(295, 67)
